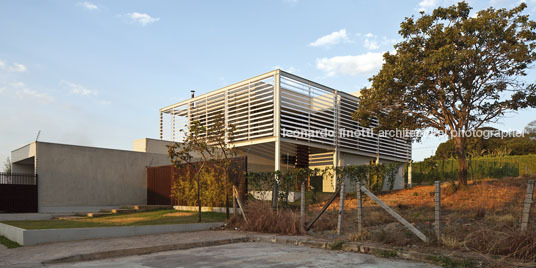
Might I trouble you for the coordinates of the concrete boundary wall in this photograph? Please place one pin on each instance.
(25, 216)
(12, 233)
(41, 236)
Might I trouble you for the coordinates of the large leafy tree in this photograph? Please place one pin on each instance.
(454, 72)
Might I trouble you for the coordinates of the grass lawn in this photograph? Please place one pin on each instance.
(8, 243)
(154, 217)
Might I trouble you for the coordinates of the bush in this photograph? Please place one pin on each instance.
(262, 218)
(429, 171)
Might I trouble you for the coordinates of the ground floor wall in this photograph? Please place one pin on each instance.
(78, 178)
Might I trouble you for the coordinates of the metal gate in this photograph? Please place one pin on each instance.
(18, 192)
(159, 181)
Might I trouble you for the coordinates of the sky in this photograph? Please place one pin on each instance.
(95, 73)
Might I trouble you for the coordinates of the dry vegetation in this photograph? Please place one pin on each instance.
(482, 218)
(262, 218)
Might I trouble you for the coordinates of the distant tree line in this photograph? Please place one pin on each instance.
(494, 146)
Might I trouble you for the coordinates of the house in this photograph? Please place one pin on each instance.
(72, 178)
(284, 121)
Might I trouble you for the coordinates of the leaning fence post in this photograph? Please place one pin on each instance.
(234, 206)
(359, 208)
(236, 196)
(341, 209)
(302, 205)
(526, 206)
(437, 223)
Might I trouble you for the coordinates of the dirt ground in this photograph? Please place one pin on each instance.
(482, 219)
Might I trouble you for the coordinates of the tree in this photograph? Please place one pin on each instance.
(454, 73)
(531, 128)
(7, 166)
(220, 137)
(194, 147)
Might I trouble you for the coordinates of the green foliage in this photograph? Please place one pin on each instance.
(494, 146)
(8, 243)
(429, 171)
(447, 262)
(212, 194)
(386, 253)
(206, 154)
(372, 176)
(336, 245)
(454, 72)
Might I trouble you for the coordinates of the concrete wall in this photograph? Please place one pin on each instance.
(23, 160)
(42, 236)
(77, 178)
(151, 146)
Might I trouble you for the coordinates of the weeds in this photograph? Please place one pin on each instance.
(8, 243)
(450, 263)
(262, 218)
(451, 242)
(386, 253)
(336, 245)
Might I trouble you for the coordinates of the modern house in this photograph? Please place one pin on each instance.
(284, 121)
(281, 121)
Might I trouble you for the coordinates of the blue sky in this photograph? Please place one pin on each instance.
(96, 72)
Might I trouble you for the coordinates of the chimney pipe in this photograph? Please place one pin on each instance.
(193, 93)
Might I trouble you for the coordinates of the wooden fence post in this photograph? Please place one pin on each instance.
(341, 209)
(437, 223)
(302, 205)
(275, 195)
(527, 205)
(395, 215)
(237, 197)
(359, 208)
(234, 206)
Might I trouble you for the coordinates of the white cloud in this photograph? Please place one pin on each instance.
(370, 42)
(371, 45)
(142, 18)
(351, 65)
(88, 5)
(331, 39)
(15, 67)
(23, 92)
(77, 89)
(290, 69)
(426, 5)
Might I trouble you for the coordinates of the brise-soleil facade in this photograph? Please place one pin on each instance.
(283, 121)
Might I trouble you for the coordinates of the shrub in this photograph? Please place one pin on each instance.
(262, 218)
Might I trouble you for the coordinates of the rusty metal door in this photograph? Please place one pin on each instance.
(159, 181)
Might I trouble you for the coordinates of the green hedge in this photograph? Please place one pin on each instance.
(479, 168)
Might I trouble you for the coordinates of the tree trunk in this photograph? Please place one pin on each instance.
(461, 147)
(226, 185)
(199, 196)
